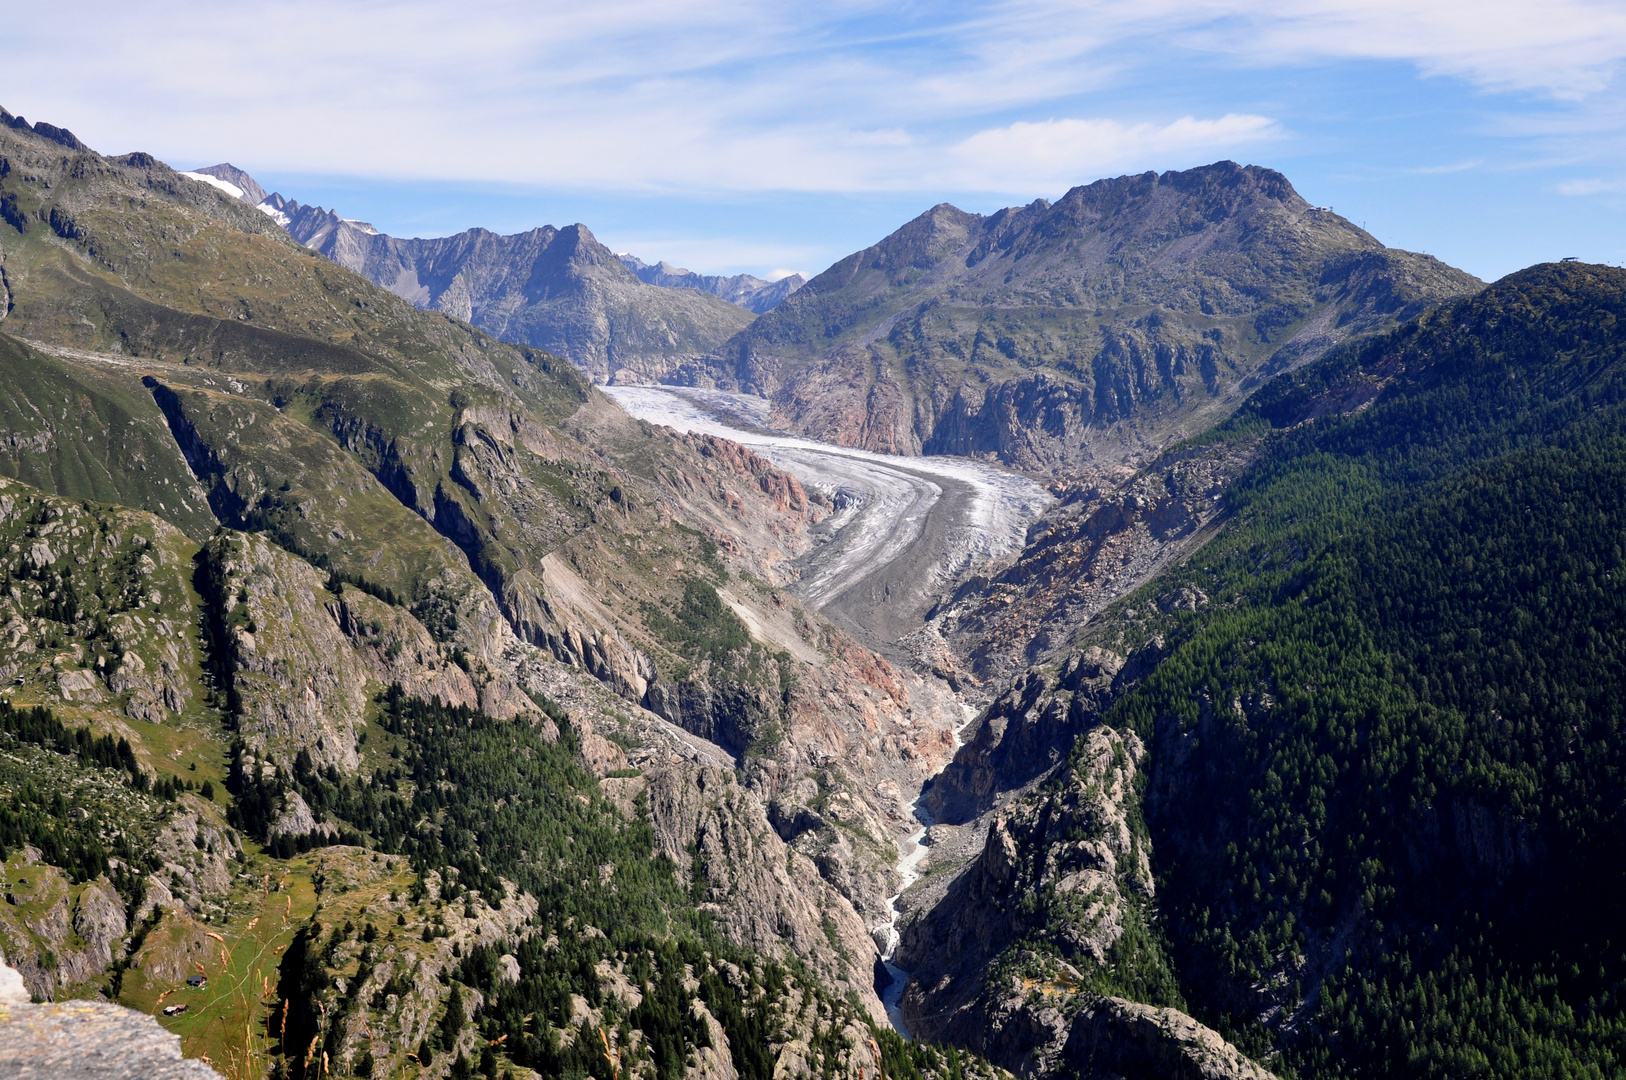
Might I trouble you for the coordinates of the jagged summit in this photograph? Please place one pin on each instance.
(61, 136)
(249, 189)
(557, 288)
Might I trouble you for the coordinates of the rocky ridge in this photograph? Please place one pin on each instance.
(1028, 954)
(1100, 542)
(752, 293)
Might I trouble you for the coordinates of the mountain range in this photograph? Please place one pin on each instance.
(1080, 336)
(752, 293)
(379, 691)
(558, 289)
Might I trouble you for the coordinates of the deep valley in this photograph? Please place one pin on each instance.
(1162, 633)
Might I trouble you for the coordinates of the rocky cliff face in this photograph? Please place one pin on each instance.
(858, 742)
(252, 192)
(1101, 541)
(98, 607)
(1022, 956)
(762, 893)
(58, 934)
(1024, 734)
(1079, 334)
(716, 831)
(297, 685)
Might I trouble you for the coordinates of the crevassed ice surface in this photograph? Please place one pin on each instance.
(883, 501)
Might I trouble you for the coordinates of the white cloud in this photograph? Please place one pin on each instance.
(1441, 170)
(730, 95)
(1056, 154)
(1591, 187)
(1567, 48)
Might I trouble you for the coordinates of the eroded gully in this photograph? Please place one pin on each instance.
(904, 531)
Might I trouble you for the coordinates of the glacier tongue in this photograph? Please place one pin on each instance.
(905, 528)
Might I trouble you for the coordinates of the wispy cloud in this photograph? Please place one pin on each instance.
(1443, 170)
(683, 95)
(1592, 187)
(1052, 154)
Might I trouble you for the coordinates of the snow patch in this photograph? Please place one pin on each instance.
(215, 182)
(273, 213)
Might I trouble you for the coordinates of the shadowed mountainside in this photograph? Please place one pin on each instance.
(1371, 727)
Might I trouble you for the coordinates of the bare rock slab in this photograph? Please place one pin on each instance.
(90, 1040)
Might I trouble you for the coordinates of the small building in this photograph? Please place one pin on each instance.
(197, 982)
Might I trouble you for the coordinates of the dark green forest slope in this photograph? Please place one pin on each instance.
(1387, 794)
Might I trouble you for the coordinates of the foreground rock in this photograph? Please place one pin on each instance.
(90, 1040)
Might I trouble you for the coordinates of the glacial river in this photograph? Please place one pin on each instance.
(903, 532)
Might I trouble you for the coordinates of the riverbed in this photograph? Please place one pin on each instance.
(904, 530)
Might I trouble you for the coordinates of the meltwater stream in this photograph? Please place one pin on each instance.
(903, 530)
(913, 852)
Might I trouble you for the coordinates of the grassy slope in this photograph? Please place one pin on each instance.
(205, 297)
(92, 434)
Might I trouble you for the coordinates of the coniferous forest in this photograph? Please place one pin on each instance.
(1388, 777)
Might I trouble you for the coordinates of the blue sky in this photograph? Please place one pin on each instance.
(770, 137)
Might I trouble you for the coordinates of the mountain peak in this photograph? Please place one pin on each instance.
(249, 189)
(1125, 309)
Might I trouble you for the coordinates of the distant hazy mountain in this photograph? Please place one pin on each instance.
(559, 289)
(751, 293)
(1085, 333)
